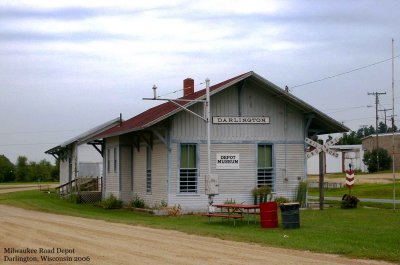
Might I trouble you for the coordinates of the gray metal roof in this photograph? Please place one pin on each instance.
(85, 137)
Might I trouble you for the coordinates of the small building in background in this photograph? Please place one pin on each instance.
(385, 141)
(348, 154)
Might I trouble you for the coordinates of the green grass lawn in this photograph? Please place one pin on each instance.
(375, 191)
(358, 233)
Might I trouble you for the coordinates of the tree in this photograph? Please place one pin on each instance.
(382, 127)
(391, 130)
(370, 131)
(7, 170)
(360, 133)
(55, 173)
(349, 139)
(21, 170)
(370, 159)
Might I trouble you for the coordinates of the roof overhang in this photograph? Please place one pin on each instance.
(320, 123)
(83, 138)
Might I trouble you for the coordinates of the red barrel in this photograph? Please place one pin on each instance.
(269, 214)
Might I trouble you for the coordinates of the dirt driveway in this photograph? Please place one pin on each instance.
(84, 241)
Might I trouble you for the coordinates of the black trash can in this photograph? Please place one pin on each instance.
(290, 215)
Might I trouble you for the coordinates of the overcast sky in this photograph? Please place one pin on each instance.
(68, 66)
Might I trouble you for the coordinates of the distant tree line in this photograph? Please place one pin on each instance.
(354, 137)
(25, 171)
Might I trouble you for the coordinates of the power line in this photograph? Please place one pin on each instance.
(27, 144)
(344, 73)
(344, 109)
(179, 90)
(36, 132)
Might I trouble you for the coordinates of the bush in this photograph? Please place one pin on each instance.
(370, 160)
(261, 194)
(349, 201)
(230, 201)
(137, 202)
(280, 200)
(301, 193)
(111, 202)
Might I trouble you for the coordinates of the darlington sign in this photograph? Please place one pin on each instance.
(228, 161)
(240, 120)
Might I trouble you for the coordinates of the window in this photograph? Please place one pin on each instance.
(115, 159)
(188, 169)
(148, 169)
(108, 161)
(264, 166)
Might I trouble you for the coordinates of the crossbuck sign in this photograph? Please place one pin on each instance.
(322, 147)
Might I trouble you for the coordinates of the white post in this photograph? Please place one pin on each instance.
(208, 120)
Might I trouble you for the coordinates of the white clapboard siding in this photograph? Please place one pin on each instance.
(112, 177)
(293, 169)
(159, 175)
(253, 102)
(126, 173)
(64, 171)
(233, 184)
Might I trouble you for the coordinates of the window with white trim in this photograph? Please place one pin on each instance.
(148, 169)
(188, 169)
(265, 176)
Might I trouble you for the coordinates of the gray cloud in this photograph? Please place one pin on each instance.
(83, 36)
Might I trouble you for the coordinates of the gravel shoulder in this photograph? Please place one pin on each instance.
(112, 243)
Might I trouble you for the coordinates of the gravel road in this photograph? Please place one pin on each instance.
(73, 240)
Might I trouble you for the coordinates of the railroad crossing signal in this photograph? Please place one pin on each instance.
(322, 147)
(349, 178)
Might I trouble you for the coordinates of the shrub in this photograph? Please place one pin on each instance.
(264, 193)
(301, 193)
(111, 202)
(349, 201)
(370, 160)
(280, 200)
(175, 210)
(230, 201)
(261, 194)
(163, 204)
(137, 202)
(74, 198)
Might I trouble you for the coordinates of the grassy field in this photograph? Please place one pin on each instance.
(27, 183)
(358, 233)
(375, 191)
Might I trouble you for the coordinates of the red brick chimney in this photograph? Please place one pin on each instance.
(188, 86)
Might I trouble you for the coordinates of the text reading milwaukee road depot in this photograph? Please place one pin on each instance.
(42, 255)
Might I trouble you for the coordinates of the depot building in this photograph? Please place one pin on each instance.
(257, 134)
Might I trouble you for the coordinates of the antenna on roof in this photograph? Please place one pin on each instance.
(287, 89)
(120, 119)
(155, 91)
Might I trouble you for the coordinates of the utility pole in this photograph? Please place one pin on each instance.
(384, 111)
(377, 94)
(393, 162)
